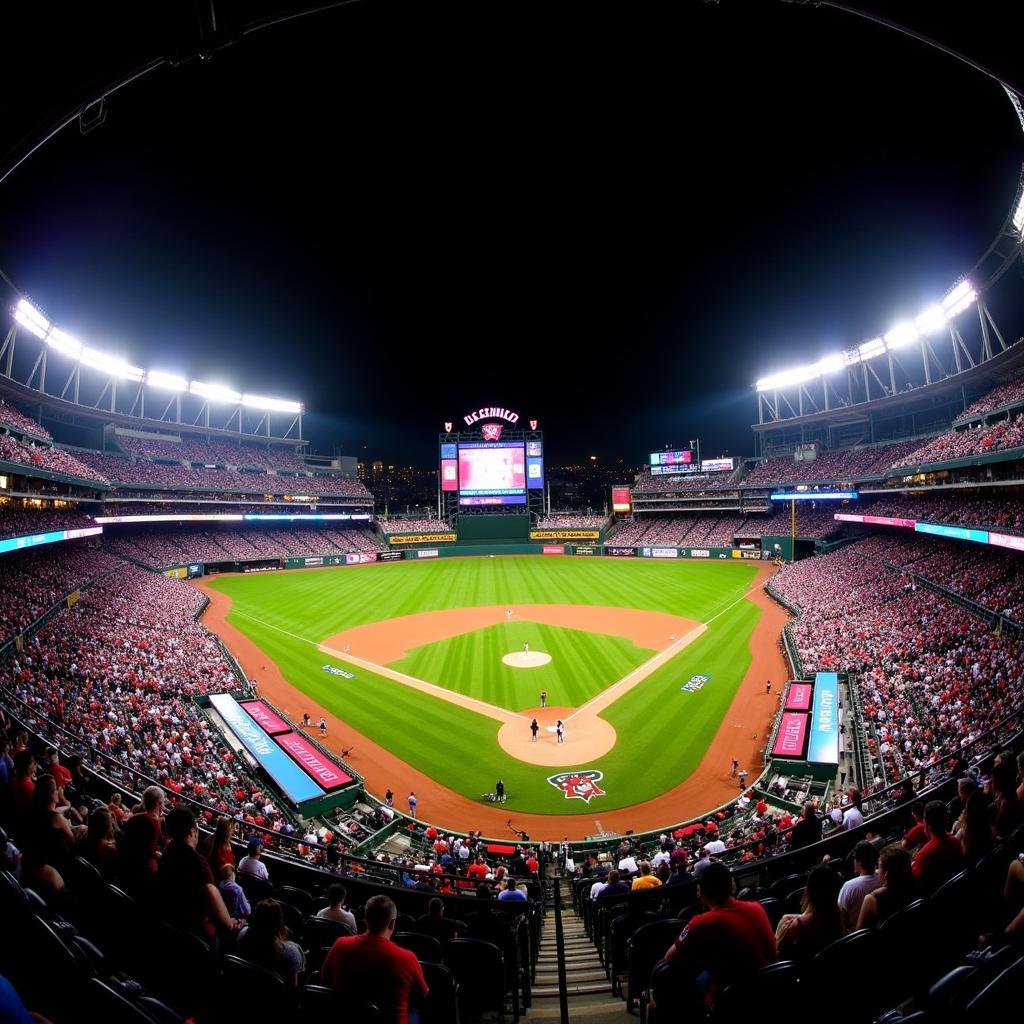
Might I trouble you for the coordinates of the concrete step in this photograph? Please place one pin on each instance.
(584, 988)
(547, 978)
(602, 1011)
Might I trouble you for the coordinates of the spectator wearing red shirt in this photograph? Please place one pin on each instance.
(23, 782)
(370, 967)
(941, 856)
(729, 942)
(916, 835)
(478, 870)
(142, 839)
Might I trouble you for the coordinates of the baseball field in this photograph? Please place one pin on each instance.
(425, 665)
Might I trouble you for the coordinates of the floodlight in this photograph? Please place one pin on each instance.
(933, 319)
(110, 364)
(852, 357)
(31, 319)
(272, 404)
(959, 299)
(872, 348)
(166, 381)
(215, 392)
(63, 342)
(830, 364)
(904, 333)
(1018, 215)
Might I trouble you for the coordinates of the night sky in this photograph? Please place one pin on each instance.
(614, 223)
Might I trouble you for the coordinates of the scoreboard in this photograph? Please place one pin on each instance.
(492, 472)
(673, 463)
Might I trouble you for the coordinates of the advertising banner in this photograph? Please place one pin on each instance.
(700, 553)
(956, 532)
(622, 499)
(35, 539)
(585, 549)
(716, 465)
(553, 549)
(1006, 540)
(850, 517)
(360, 557)
(752, 554)
(791, 738)
(565, 534)
(449, 474)
(427, 553)
(389, 556)
(328, 775)
(663, 552)
(621, 552)
(422, 538)
(317, 560)
(798, 697)
(179, 573)
(287, 775)
(824, 744)
(265, 718)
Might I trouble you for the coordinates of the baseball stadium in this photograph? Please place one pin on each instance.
(749, 733)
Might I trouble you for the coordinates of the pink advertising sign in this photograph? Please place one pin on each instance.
(315, 765)
(798, 697)
(263, 716)
(850, 517)
(791, 740)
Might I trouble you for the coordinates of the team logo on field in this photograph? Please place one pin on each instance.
(578, 785)
(491, 431)
(695, 683)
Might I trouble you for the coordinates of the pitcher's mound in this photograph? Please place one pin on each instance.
(520, 659)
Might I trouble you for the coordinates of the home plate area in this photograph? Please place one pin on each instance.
(524, 659)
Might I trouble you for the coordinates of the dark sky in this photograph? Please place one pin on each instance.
(614, 222)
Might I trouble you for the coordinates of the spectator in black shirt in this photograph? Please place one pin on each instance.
(808, 829)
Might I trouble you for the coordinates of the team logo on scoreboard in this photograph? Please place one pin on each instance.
(491, 431)
(578, 785)
(491, 412)
(533, 424)
(447, 426)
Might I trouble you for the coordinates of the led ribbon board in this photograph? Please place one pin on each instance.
(815, 496)
(33, 540)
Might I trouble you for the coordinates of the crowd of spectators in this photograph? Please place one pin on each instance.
(932, 676)
(1006, 513)
(646, 483)
(965, 443)
(33, 581)
(16, 420)
(1000, 397)
(813, 521)
(40, 456)
(571, 521)
(830, 466)
(160, 547)
(219, 453)
(413, 525)
(118, 671)
(129, 471)
(17, 521)
(992, 577)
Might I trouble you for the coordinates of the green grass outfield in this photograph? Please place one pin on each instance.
(662, 731)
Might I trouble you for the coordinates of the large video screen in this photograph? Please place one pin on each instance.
(492, 473)
(663, 463)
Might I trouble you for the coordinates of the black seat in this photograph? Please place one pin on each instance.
(1002, 992)
(904, 939)
(675, 993)
(298, 898)
(954, 920)
(852, 956)
(255, 889)
(620, 930)
(321, 932)
(425, 947)
(442, 1002)
(249, 990)
(773, 908)
(322, 1003)
(196, 973)
(776, 985)
(781, 888)
(116, 1004)
(478, 968)
(646, 946)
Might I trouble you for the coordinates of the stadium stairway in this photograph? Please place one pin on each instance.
(588, 989)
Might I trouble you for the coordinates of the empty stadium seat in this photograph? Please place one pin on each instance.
(426, 947)
(646, 947)
(777, 985)
(478, 967)
(251, 991)
(442, 1003)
